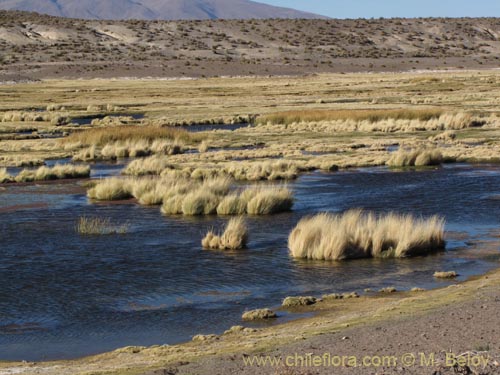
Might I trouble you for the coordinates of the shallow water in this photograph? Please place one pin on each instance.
(63, 295)
(211, 127)
(87, 120)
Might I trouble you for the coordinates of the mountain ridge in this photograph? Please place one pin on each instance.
(156, 9)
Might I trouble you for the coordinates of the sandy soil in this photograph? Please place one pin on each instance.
(460, 328)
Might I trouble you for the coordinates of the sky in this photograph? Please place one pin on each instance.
(394, 8)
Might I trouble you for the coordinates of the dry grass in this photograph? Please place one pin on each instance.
(111, 189)
(178, 194)
(103, 136)
(316, 115)
(57, 172)
(232, 205)
(99, 226)
(415, 158)
(357, 234)
(5, 176)
(234, 237)
(266, 201)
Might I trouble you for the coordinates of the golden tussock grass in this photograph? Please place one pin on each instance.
(111, 189)
(57, 172)
(415, 158)
(234, 237)
(446, 121)
(373, 115)
(358, 234)
(103, 136)
(5, 176)
(178, 194)
(270, 170)
(99, 226)
(267, 201)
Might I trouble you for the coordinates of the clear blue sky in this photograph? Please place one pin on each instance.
(394, 8)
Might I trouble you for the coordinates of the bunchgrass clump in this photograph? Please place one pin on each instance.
(234, 237)
(415, 158)
(111, 189)
(57, 172)
(110, 134)
(359, 234)
(376, 115)
(178, 194)
(269, 201)
(99, 226)
(5, 176)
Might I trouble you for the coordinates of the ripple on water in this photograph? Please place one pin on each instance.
(63, 295)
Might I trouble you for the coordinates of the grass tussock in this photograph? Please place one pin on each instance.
(415, 158)
(57, 172)
(131, 148)
(111, 189)
(358, 234)
(99, 226)
(243, 170)
(234, 237)
(103, 136)
(316, 115)
(5, 176)
(384, 124)
(268, 201)
(178, 194)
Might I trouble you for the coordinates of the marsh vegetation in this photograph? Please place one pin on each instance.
(303, 153)
(356, 234)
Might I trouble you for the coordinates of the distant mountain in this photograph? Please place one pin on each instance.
(155, 9)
